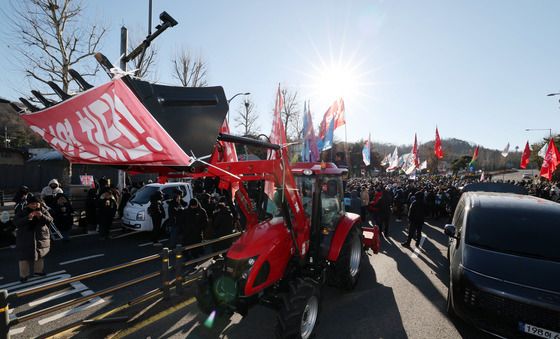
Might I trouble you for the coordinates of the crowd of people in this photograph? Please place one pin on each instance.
(430, 196)
(207, 216)
(210, 214)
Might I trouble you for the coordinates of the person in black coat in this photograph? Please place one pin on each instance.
(193, 220)
(106, 209)
(157, 213)
(20, 198)
(222, 225)
(63, 215)
(175, 209)
(33, 240)
(7, 230)
(416, 214)
(125, 197)
(91, 208)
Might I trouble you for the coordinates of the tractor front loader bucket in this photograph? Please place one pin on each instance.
(192, 116)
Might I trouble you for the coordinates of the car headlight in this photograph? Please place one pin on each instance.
(141, 216)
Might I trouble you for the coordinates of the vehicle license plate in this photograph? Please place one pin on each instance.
(538, 331)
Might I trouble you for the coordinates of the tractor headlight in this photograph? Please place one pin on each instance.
(240, 268)
(141, 216)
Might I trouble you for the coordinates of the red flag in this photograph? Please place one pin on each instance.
(109, 125)
(525, 156)
(224, 151)
(437, 147)
(277, 136)
(415, 152)
(551, 160)
(336, 112)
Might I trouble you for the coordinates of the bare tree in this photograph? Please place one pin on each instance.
(146, 67)
(291, 113)
(247, 118)
(189, 70)
(51, 38)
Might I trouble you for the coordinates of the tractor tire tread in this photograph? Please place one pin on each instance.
(292, 305)
(340, 276)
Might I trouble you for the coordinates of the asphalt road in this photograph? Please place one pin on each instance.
(84, 253)
(401, 294)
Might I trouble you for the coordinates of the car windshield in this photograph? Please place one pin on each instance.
(143, 195)
(522, 232)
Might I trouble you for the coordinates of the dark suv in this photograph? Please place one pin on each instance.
(504, 263)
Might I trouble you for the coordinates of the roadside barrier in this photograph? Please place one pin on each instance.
(165, 290)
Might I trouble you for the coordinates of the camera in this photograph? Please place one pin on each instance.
(167, 19)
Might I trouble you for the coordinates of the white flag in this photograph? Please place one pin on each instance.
(394, 161)
(482, 176)
(542, 152)
(424, 164)
(506, 151)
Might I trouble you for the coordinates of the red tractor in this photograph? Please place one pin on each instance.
(295, 242)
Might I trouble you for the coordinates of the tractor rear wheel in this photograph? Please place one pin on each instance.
(299, 310)
(347, 267)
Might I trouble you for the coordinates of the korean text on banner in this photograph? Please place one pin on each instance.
(108, 125)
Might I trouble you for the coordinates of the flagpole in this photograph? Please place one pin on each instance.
(346, 147)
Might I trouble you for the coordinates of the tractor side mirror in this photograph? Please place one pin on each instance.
(450, 230)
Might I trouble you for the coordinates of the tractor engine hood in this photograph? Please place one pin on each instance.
(261, 239)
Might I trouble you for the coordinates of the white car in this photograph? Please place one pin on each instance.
(135, 214)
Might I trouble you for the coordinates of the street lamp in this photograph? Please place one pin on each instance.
(540, 129)
(233, 97)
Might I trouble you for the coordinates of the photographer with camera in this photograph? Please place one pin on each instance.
(32, 238)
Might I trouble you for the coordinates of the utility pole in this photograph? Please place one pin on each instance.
(6, 140)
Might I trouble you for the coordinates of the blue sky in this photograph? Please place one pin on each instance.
(480, 70)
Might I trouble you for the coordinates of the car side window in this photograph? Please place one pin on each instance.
(459, 216)
(184, 190)
(168, 192)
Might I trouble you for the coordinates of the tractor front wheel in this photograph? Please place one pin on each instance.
(299, 310)
(347, 267)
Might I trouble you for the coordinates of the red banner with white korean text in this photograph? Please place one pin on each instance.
(107, 125)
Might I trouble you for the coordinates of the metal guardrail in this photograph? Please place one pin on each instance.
(165, 255)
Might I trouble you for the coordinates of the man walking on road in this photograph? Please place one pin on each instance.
(415, 219)
(364, 196)
(33, 238)
(157, 213)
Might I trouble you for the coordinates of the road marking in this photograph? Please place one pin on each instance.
(95, 233)
(35, 280)
(75, 289)
(151, 243)
(125, 235)
(18, 330)
(417, 249)
(89, 304)
(153, 319)
(81, 259)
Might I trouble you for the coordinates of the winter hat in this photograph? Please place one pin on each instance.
(54, 181)
(33, 199)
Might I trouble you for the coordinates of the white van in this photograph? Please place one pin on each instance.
(135, 214)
